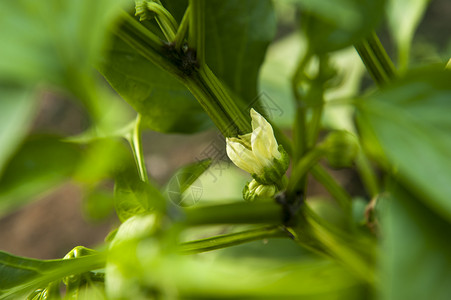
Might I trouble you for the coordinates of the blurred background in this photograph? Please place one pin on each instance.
(65, 217)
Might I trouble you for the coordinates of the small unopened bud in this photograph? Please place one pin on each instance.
(341, 148)
(255, 190)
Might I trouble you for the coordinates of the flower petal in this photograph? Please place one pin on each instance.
(264, 144)
(242, 157)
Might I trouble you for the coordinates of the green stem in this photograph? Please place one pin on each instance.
(302, 167)
(367, 174)
(299, 133)
(182, 30)
(315, 123)
(233, 239)
(240, 118)
(196, 37)
(354, 253)
(235, 213)
(136, 145)
(299, 129)
(376, 59)
(165, 20)
(212, 95)
(337, 191)
(146, 43)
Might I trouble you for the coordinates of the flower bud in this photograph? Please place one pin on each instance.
(258, 153)
(254, 190)
(341, 148)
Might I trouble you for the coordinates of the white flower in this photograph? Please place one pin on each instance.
(254, 151)
(258, 152)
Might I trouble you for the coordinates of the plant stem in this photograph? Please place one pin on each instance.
(241, 119)
(367, 175)
(233, 239)
(376, 59)
(182, 30)
(165, 20)
(136, 145)
(196, 36)
(337, 191)
(235, 213)
(355, 254)
(212, 95)
(299, 127)
(302, 167)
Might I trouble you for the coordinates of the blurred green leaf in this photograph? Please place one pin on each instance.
(16, 114)
(41, 163)
(134, 197)
(332, 25)
(112, 152)
(416, 257)
(222, 278)
(275, 79)
(403, 19)
(406, 127)
(20, 275)
(183, 179)
(98, 204)
(53, 40)
(237, 34)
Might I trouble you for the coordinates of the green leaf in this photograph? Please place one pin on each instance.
(135, 197)
(98, 204)
(332, 25)
(53, 40)
(406, 127)
(403, 18)
(16, 112)
(237, 34)
(20, 275)
(416, 259)
(41, 163)
(164, 103)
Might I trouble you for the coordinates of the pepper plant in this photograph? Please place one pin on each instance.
(186, 66)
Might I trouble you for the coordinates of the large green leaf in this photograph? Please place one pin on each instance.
(16, 112)
(407, 128)
(40, 163)
(237, 34)
(53, 40)
(164, 103)
(20, 275)
(416, 256)
(332, 25)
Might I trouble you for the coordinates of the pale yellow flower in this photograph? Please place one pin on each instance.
(253, 152)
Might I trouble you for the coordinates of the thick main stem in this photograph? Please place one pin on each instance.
(212, 95)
